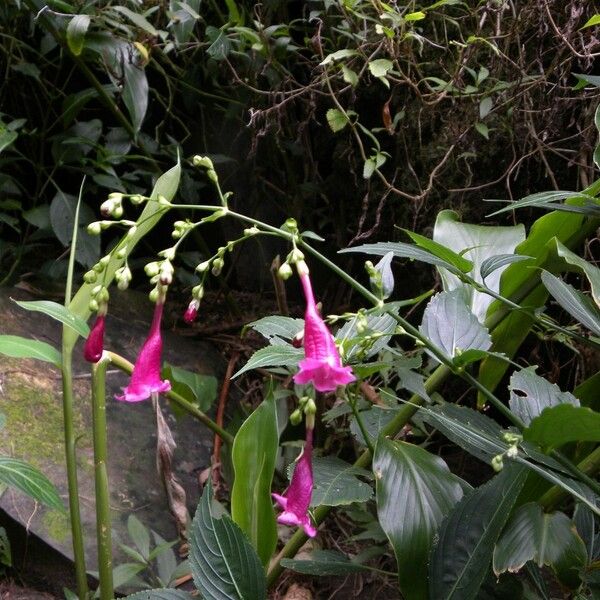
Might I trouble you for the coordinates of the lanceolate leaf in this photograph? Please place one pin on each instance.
(451, 326)
(58, 312)
(76, 30)
(443, 252)
(324, 562)
(161, 594)
(335, 483)
(564, 423)
(415, 490)
(574, 302)
(166, 185)
(547, 539)
(530, 394)
(579, 264)
(273, 356)
(224, 564)
(253, 455)
(20, 347)
(30, 481)
(463, 553)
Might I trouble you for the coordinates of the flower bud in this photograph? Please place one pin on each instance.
(296, 256)
(285, 271)
(137, 199)
(122, 252)
(166, 273)
(203, 266)
(153, 295)
(94, 228)
(117, 212)
(202, 161)
(151, 269)
(217, 266)
(296, 417)
(212, 175)
(90, 276)
(93, 305)
(497, 463)
(131, 232)
(198, 292)
(290, 225)
(118, 196)
(168, 253)
(162, 201)
(251, 231)
(99, 267)
(191, 312)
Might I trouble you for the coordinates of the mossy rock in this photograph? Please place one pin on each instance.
(31, 400)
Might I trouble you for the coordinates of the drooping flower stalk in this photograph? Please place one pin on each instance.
(322, 364)
(296, 500)
(145, 378)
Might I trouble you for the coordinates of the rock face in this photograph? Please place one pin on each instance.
(30, 397)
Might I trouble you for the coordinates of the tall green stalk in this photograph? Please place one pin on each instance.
(103, 521)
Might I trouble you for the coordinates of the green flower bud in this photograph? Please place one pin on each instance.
(212, 175)
(90, 277)
(137, 199)
(203, 266)
(94, 228)
(202, 161)
(152, 269)
(93, 306)
(153, 295)
(296, 417)
(285, 271)
(497, 463)
(217, 266)
(198, 292)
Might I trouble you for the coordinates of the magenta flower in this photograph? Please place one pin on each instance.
(94, 344)
(322, 364)
(145, 378)
(191, 312)
(296, 501)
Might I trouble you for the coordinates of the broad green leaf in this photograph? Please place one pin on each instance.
(547, 539)
(335, 483)
(254, 454)
(29, 480)
(373, 420)
(125, 572)
(380, 66)
(58, 312)
(473, 431)
(489, 265)
(415, 491)
(593, 20)
(483, 130)
(543, 199)
(579, 306)
(338, 55)
(446, 254)
(349, 76)
(463, 553)
(583, 266)
(160, 594)
(587, 392)
(451, 326)
(477, 243)
(519, 283)
(76, 30)
(273, 356)
(324, 563)
(137, 19)
(415, 16)
(485, 106)
(166, 561)
(139, 535)
(277, 328)
(20, 347)
(563, 423)
(530, 394)
(197, 388)
(166, 186)
(7, 138)
(336, 119)
(400, 250)
(224, 564)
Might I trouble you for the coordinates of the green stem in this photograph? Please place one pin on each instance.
(127, 367)
(103, 520)
(71, 465)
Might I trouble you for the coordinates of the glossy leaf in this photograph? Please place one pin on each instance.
(373, 421)
(561, 424)
(20, 347)
(335, 483)
(451, 326)
(530, 394)
(166, 186)
(489, 265)
(574, 302)
(463, 553)
(542, 200)
(415, 491)
(224, 564)
(76, 30)
(273, 356)
(57, 312)
(547, 539)
(197, 388)
(441, 251)
(29, 480)
(254, 454)
(477, 243)
(324, 563)
(576, 263)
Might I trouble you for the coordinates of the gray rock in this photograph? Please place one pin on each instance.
(30, 397)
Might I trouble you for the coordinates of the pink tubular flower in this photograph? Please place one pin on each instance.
(191, 312)
(94, 344)
(322, 364)
(296, 501)
(145, 378)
